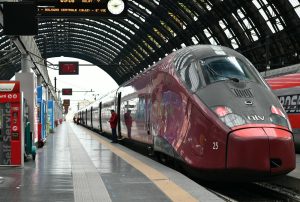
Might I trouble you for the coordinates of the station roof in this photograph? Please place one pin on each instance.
(267, 32)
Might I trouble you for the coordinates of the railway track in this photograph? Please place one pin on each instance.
(252, 192)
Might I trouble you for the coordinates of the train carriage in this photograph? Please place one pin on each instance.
(209, 108)
(287, 89)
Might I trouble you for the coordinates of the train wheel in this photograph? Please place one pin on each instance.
(150, 151)
(162, 158)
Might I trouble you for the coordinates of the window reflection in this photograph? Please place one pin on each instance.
(224, 68)
(190, 76)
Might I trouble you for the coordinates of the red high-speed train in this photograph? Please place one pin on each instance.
(287, 88)
(209, 108)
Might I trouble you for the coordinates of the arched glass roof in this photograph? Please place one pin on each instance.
(266, 32)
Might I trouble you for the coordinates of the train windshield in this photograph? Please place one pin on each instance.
(223, 68)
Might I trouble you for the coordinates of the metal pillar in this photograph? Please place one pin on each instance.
(28, 87)
(55, 85)
(39, 80)
(25, 63)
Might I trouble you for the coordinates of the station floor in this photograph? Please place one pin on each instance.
(79, 165)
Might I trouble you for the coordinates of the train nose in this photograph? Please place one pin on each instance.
(261, 150)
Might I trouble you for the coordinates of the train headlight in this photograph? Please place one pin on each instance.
(276, 110)
(279, 118)
(226, 115)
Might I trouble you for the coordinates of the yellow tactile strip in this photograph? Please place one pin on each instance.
(172, 190)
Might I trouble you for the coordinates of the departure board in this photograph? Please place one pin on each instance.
(66, 91)
(68, 68)
(82, 8)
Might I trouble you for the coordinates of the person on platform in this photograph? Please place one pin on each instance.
(113, 124)
(128, 122)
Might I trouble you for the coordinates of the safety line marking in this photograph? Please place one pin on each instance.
(87, 182)
(171, 189)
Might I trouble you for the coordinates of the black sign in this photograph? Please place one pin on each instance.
(67, 91)
(68, 68)
(82, 8)
(19, 18)
(66, 102)
(290, 103)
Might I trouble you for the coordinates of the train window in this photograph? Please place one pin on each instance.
(224, 68)
(183, 59)
(95, 113)
(129, 105)
(140, 113)
(190, 76)
(194, 77)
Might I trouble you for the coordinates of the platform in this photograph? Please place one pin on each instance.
(292, 179)
(79, 165)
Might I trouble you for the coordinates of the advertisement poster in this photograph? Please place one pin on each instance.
(36, 118)
(5, 138)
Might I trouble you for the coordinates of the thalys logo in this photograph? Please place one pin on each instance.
(6, 87)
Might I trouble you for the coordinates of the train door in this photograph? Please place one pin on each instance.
(92, 117)
(147, 114)
(142, 120)
(86, 117)
(119, 114)
(100, 121)
(143, 113)
(80, 117)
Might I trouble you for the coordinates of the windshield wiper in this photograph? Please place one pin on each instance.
(211, 70)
